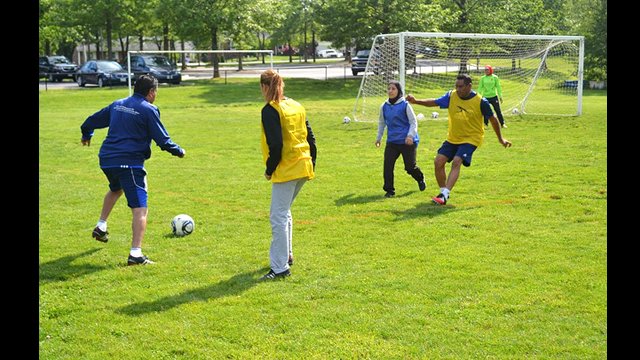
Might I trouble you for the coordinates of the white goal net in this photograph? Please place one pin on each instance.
(539, 74)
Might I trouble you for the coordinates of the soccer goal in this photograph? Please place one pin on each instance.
(166, 65)
(539, 74)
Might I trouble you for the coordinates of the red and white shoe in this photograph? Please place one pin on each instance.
(440, 199)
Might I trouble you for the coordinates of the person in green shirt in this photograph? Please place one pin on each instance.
(490, 88)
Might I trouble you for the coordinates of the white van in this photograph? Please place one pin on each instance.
(330, 53)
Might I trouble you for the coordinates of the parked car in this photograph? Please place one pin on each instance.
(428, 52)
(102, 72)
(158, 66)
(359, 62)
(330, 53)
(57, 68)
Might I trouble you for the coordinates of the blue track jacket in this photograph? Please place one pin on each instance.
(133, 122)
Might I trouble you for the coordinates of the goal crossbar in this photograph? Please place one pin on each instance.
(130, 52)
(533, 69)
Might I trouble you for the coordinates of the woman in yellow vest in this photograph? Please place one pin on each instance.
(467, 110)
(289, 154)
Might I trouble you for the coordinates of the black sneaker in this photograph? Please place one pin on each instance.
(440, 199)
(100, 235)
(422, 185)
(272, 275)
(390, 194)
(142, 260)
(290, 260)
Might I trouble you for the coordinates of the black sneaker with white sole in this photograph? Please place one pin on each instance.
(141, 260)
(100, 235)
(271, 275)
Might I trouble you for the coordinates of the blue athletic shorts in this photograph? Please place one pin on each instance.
(464, 151)
(133, 181)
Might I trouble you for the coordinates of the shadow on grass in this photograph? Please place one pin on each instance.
(62, 269)
(427, 209)
(353, 199)
(230, 287)
(241, 90)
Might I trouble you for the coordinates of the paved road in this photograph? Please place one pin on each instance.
(319, 72)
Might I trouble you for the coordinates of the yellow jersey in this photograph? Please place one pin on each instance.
(295, 162)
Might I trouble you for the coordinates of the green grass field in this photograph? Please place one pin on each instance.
(514, 267)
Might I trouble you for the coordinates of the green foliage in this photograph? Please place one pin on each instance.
(595, 74)
(514, 267)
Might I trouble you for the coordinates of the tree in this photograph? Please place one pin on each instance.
(57, 32)
(214, 17)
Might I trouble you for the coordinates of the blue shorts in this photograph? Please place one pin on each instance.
(464, 151)
(133, 181)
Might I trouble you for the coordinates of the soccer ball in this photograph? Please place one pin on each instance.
(346, 120)
(182, 225)
(434, 115)
(420, 116)
(515, 111)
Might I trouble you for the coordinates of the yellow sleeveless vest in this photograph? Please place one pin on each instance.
(296, 155)
(466, 124)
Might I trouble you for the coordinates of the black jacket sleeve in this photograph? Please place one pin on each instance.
(311, 139)
(273, 133)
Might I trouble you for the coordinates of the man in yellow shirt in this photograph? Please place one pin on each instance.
(467, 111)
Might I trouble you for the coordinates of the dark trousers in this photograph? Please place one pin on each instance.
(496, 107)
(391, 153)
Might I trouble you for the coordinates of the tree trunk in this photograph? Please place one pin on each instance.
(182, 55)
(214, 46)
(261, 45)
(141, 40)
(109, 46)
(98, 52)
(313, 44)
(165, 36)
(306, 55)
(124, 46)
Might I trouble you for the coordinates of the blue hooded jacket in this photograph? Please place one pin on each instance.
(133, 122)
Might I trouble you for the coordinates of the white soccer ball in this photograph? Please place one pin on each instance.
(420, 116)
(434, 115)
(182, 225)
(515, 111)
(346, 120)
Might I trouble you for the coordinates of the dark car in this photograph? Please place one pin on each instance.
(156, 65)
(359, 62)
(101, 72)
(57, 68)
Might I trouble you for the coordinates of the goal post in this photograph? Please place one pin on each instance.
(539, 74)
(197, 53)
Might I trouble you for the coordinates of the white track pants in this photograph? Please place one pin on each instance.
(282, 196)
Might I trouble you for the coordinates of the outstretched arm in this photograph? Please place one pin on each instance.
(425, 102)
(496, 127)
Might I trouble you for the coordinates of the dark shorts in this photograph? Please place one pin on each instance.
(133, 181)
(464, 151)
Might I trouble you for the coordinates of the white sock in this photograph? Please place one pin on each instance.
(102, 225)
(445, 192)
(136, 252)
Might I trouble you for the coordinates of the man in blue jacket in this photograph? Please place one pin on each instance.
(133, 122)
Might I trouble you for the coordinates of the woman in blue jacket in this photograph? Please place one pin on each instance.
(397, 115)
